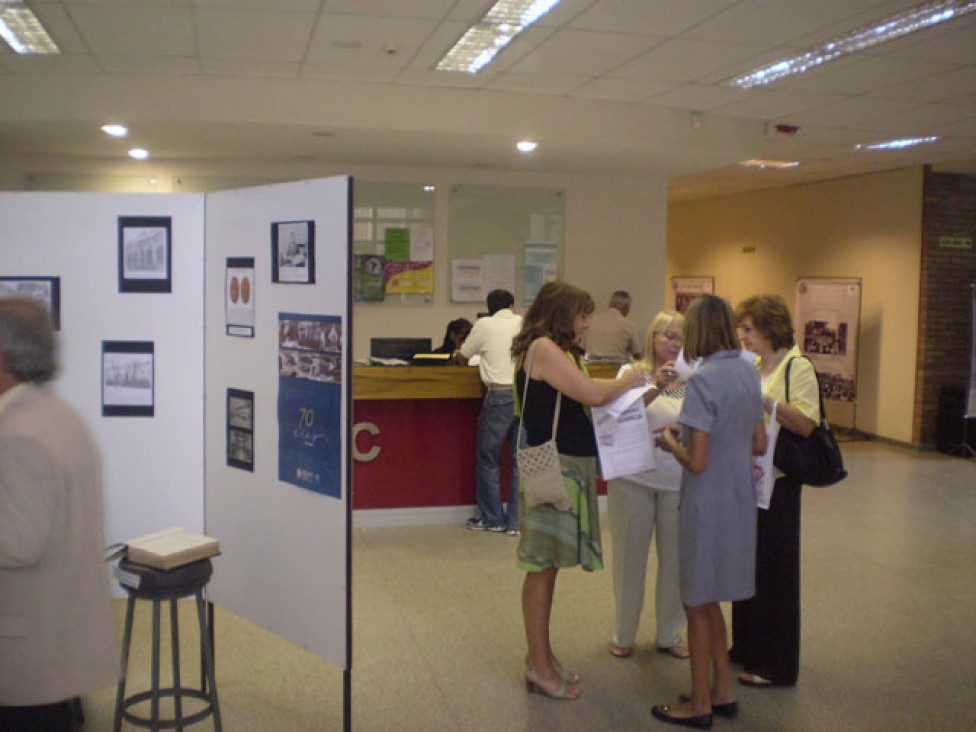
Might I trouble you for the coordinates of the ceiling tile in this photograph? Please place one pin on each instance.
(661, 18)
(695, 96)
(539, 83)
(150, 64)
(774, 104)
(250, 67)
(136, 29)
(428, 9)
(859, 74)
(686, 60)
(855, 111)
(621, 90)
(956, 84)
(253, 34)
(238, 5)
(374, 36)
(583, 53)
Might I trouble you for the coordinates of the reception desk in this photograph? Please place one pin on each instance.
(414, 435)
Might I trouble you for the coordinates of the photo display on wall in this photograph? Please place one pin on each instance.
(46, 290)
(293, 252)
(128, 379)
(145, 254)
(239, 297)
(240, 429)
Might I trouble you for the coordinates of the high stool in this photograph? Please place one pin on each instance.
(156, 585)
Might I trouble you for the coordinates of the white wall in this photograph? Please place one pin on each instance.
(153, 466)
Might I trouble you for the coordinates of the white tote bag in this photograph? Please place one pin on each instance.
(763, 471)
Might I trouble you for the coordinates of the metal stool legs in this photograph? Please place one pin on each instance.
(208, 685)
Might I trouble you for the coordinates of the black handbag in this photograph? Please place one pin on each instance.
(814, 460)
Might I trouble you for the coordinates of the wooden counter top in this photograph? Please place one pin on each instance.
(430, 382)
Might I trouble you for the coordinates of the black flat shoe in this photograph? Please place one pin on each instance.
(701, 721)
(729, 710)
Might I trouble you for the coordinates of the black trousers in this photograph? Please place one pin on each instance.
(59, 717)
(766, 628)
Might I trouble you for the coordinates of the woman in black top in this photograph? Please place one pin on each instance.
(457, 331)
(551, 538)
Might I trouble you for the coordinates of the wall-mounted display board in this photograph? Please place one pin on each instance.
(826, 323)
(510, 238)
(393, 244)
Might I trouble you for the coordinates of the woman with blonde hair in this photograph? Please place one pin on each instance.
(721, 429)
(639, 504)
(550, 374)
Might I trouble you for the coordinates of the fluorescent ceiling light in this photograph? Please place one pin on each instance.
(775, 164)
(138, 153)
(503, 21)
(526, 146)
(898, 144)
(22, 31)
(115, 130)
(887, 29)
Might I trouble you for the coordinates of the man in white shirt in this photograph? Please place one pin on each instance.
(491, 339)
(611, 333)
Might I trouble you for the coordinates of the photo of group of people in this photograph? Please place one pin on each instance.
(819, 337)
(311, 349)
(240, 429)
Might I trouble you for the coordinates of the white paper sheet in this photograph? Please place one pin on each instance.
(622, 441)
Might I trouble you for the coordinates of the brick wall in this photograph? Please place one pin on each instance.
(948, 209)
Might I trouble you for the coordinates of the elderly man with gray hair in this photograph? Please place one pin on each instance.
(612, 335)
(57, 630)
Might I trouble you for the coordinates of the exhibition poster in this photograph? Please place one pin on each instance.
(367, 277)
(310, 402)
(686, 289)
(827, 320)
(239, 297)
(409, 265)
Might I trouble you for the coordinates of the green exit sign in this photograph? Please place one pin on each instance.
(955, 242)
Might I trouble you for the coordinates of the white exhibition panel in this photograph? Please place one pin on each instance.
(283, 563)
(152, 466)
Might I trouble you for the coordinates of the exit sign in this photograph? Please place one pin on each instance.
(955, 242)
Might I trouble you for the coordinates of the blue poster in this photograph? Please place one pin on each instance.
(310, 402)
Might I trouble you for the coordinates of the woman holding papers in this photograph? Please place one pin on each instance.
(766, 628)
(721, 429)
(639, 504)
(548, 353)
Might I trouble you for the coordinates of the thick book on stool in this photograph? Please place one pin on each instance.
(156, 586)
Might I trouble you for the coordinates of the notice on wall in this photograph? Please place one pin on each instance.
(685, 289)
(368, 277)
(309, 402)
(827, 321)
(541, 265)
(467, 284)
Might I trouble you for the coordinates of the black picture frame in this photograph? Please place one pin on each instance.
(46, 290)
(240, 429)
(293, 252)
(145, 254)
(128, 379)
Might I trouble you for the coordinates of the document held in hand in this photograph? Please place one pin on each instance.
(170, 548)
(622, 438)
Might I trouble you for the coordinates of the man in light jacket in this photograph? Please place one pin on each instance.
(57, 630)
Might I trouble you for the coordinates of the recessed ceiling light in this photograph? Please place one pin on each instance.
(139, 153)
(115, 130)
(22, 31)
(897, 144)
(774, 164)
(482, 41)
(886, 29)
(526, 146)
(430, 189)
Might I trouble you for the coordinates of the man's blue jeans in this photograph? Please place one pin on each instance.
(496, 422)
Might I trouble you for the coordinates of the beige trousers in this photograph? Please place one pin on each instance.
(634, 511)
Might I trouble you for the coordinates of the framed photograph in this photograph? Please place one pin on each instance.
(240, 429)
(45, 289)
(239, 297)
(293, 252)
(145, 254)
(128, 379)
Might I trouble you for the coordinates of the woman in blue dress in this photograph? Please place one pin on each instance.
(721, 429)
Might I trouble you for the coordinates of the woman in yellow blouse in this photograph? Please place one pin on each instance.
(766, 628)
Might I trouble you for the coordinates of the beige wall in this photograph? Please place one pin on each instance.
(614, 237)
(867, 226)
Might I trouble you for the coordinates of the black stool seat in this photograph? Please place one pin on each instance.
(156, 586)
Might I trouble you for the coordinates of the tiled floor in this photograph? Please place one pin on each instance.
(889, 628)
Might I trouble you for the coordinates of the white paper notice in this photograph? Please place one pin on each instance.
(466, 281)
(421, 244)
(623, 442)
(499, 272)
(624, 402)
